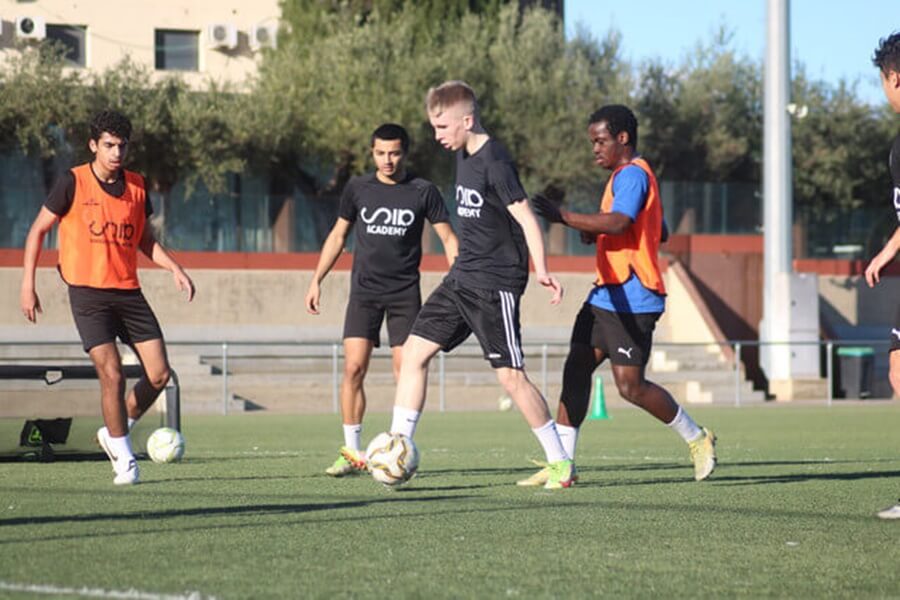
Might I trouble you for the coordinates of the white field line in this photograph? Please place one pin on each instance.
(85, 592)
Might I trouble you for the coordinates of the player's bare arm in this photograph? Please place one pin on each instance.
(331, 250)
(883, 258)
(591, 224)
(30, 303)
(521, 212)
(449, 241)
(160, 256)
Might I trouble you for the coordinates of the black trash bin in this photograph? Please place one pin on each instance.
(856, 371)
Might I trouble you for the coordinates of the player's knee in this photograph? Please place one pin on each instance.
(629, 389)
(110, 374)
(512, 380)
(354, 371)
(159, 378)
(894, 378)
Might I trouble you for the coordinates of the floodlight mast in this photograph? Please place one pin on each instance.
(777, 176)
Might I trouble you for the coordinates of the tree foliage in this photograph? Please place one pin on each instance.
(342, 67)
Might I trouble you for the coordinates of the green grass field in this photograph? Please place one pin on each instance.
(249, 514)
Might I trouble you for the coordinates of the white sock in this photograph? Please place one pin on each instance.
(405, 421)
(569, 438)
(549, 439)
(131, 423)
(351, 435)
(684, 426)
(121, 448)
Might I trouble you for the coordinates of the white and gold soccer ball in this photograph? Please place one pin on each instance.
(392, 458)
(165, 445)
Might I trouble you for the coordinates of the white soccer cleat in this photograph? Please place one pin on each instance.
(891, 512)
(127, 473)
(103, 440)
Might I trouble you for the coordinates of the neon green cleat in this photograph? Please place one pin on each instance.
(341, 467)
(356, 458)
(703, 454)
(540, 478)
(560, 474)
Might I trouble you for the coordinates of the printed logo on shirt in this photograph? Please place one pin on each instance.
(625, 352)
(897, 201)
(896, 332)
(468, 203)
(388, 221)
(111, 233)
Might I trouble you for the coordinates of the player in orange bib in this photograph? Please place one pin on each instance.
(617, 320)
(102, 212)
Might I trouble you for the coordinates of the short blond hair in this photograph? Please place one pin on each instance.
(451, 93)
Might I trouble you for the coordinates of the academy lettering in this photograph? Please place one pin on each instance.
(468, 202)
(388, 221)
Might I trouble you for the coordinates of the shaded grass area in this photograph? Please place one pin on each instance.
(250, 514)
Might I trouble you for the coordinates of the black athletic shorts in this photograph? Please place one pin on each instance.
(453, 312)
(895, 332)
(365, 314)
(102, 315)
(625, 338)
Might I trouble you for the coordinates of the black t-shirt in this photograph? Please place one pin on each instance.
(894, 161)
(492, 250)
(63, 192)
(388, 238)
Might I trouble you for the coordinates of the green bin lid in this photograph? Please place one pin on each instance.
(855, 351)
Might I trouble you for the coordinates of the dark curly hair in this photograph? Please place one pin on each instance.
(618, 118)
(112, 122)
(887, 54)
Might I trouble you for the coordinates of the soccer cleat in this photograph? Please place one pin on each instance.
(541, 477)
(103, 440)
(703, 454)
(341, 467)
(891, 512)
(127, 473)
(560, 474)
(356, 458)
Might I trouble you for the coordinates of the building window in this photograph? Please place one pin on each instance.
(71, 38)
(177, 50)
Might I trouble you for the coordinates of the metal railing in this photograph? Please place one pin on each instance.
(546, 350)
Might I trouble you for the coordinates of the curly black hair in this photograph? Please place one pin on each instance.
(618, 118)
(112, 122)
(887, 54)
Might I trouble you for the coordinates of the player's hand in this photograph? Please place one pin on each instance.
(184, 283)
(873, 271)
(588, 238)
(312, 299)
(552, 283)
(31, 304)
(547, 208)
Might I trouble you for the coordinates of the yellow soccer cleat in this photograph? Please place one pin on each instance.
(703, 454)
(538, 479)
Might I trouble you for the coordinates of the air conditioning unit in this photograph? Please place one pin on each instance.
(31, 28)
(222, 35)
(264, 35)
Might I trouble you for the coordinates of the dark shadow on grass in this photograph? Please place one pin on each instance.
(253, 510)
(802, 477)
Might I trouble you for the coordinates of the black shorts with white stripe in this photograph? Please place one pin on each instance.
(453, 312)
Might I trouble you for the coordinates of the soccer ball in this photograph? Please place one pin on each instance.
(165, 445)
(392, 458)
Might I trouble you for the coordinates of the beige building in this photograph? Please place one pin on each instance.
(201, 40)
